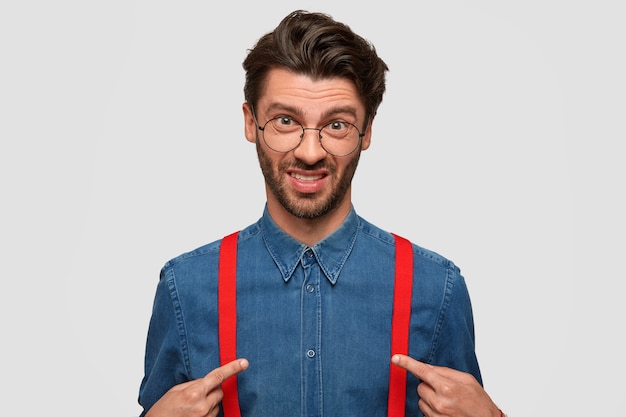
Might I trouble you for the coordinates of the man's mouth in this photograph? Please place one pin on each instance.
(302, 177)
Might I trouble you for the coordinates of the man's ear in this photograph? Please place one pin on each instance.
(249, 124)
(367, 138)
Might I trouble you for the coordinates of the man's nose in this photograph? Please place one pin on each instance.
(310, 149)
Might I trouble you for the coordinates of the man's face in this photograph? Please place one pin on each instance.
(307, 181)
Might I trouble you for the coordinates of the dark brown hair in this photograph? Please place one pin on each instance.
(316, 45)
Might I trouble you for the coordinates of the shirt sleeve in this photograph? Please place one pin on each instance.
(455, 344)
(165, 357)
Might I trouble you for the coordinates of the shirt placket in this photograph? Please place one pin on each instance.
(311, 359)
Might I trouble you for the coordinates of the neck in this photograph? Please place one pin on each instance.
(308, 231)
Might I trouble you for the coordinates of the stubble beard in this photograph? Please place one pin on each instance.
(305, 205)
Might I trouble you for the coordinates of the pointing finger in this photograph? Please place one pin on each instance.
(218, 375)
(421, 370)
(435, 376)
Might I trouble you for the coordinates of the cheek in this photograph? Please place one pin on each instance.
(350, 167)
(268, 165)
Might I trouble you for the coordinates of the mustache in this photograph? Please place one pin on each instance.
(297, 164)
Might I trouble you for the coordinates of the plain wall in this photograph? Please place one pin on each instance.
(498, 145)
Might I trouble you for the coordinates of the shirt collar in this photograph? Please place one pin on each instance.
(331, 253)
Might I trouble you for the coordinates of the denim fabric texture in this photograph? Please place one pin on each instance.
(314, 322)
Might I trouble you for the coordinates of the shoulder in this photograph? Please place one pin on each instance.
(203, 259)
(421, 255)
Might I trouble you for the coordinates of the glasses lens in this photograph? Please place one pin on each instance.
(284, 134)
(340, 138)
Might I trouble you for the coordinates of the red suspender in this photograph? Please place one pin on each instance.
(227, 319)
(227, 322)
(400, 325)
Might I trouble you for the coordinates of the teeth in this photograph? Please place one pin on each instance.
(306, 177)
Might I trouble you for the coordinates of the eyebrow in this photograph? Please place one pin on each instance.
(284, 107)
(340, 110)
(298, 111)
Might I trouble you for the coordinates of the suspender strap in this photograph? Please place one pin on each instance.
(227, 319)
(227, 322)
(400, 325)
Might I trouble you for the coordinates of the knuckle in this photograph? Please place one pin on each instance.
(219, 394)
(447, 390)
(192, 394)
(439, 405)
(202, 409)
(219, 375)
(435, 405)
(196, 400)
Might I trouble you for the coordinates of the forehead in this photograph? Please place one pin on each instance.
(310, 96)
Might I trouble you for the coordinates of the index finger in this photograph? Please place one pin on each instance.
(218, 375)
(421, 370)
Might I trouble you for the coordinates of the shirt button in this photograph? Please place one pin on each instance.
(309, 253)
(310, 353)
(310, 288)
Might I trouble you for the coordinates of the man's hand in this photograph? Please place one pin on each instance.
(197, 398)
(445, 392)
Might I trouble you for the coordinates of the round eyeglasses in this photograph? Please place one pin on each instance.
(284, 134)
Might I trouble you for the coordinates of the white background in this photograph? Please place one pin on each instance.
(498, 144)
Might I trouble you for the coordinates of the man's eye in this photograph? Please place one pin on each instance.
(285, 120)
(337, 125)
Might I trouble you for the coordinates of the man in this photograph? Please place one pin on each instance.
(313, 299)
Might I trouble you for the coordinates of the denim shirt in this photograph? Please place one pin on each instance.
(314, 322)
